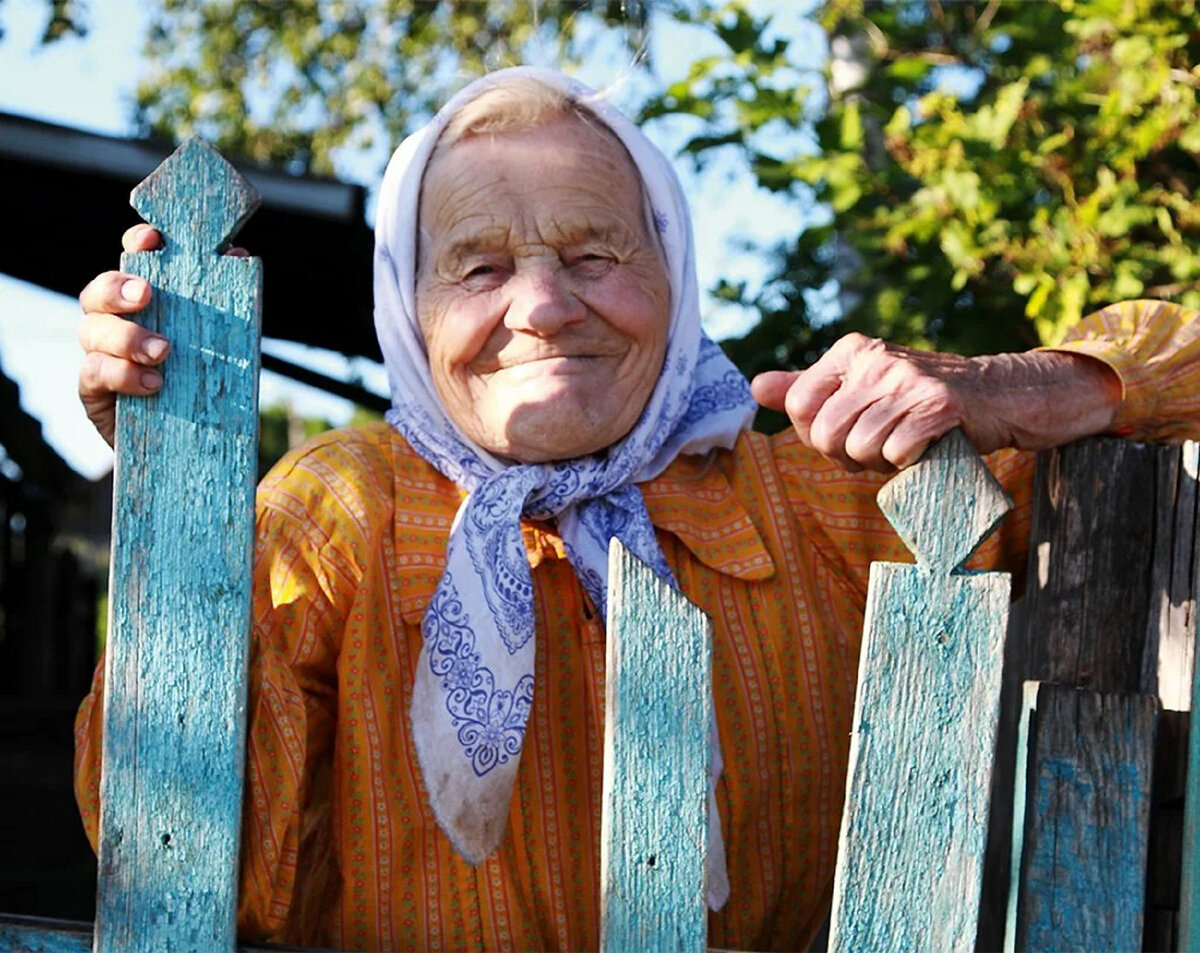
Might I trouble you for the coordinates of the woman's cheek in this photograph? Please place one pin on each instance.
(466, 324)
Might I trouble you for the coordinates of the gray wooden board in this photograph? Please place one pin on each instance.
(1087, 765)
(658, 709)
(1189, 888)
(913, 830)
(1110, 606)
(1168, 655)
(174, 703)
(1094, 549)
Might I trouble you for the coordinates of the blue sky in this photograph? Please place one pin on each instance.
(89, 84)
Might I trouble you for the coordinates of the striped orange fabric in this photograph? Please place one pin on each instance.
(340, 847)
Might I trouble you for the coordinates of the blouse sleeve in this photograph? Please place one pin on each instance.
(1154, 347)
(305, 577)
(292, 713)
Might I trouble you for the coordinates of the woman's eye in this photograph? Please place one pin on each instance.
(592, 262)
(482, 275)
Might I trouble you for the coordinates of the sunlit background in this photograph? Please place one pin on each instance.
(89, 82)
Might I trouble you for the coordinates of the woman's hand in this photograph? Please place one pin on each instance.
(120, 357)
(873, 405)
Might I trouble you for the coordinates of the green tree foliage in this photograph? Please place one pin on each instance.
(990, 170)
(290, 82)
(979, 173)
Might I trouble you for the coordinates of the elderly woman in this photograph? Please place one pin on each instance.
(428, 663)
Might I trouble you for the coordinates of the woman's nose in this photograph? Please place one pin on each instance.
(542, 301)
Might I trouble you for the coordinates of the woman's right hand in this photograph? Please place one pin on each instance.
(120, 357)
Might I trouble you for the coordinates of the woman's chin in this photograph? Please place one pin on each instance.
(561, 429)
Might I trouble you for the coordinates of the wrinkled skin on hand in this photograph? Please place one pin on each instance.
(120, 357)
(868, 404)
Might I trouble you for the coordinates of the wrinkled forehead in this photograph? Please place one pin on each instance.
(556, 132)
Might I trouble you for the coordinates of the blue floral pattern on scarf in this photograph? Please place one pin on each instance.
(490, 721)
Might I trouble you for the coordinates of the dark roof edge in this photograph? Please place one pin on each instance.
(34, 140)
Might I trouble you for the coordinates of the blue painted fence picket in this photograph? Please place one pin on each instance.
(910, 855)
(658, 710)
(175, 691)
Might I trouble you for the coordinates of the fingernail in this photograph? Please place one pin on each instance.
(155, 348)
(133, 289)
(151, 380)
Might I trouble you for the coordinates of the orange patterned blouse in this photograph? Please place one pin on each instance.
(340, 847)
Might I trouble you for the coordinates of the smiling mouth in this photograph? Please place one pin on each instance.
(551, 360)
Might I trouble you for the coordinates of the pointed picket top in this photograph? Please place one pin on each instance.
(195, 198)
(951, 469)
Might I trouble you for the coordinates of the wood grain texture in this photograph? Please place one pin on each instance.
(174, 703)
(946, 505)
(1087, 765)
(1168, 654)
(913, 830)
(1110, 605)
(37, 935)
(1189, 886)
(1091, 587)
(654, 825)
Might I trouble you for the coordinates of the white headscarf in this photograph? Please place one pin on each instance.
(474, 686)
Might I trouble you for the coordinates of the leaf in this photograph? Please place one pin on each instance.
(852, 130)
(909, 69)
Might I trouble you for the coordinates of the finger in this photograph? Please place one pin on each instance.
(895, 430)
(834, 422)
(237, 252)
(101, 376)
(108, 334)
(102, 412)
(770, 388)
(115, 292)
(141, 237)
(867, 437)
(808, 394)
(912, 435)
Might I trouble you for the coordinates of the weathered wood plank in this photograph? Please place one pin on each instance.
(654, 826)
(913, 830)
(1087, 765)
(1165, 850)
(1092, 564)
(34, 935)
(1189, 888)
(174, 705)
(37, 935)
(1110, 606)
(1169, 648)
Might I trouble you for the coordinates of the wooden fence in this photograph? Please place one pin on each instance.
(1043, 775)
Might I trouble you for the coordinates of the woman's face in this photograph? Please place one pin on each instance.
(543, 300)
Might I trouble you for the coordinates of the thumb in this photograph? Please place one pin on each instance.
(770, 388)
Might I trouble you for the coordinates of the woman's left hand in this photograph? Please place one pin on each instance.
(874, 405)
